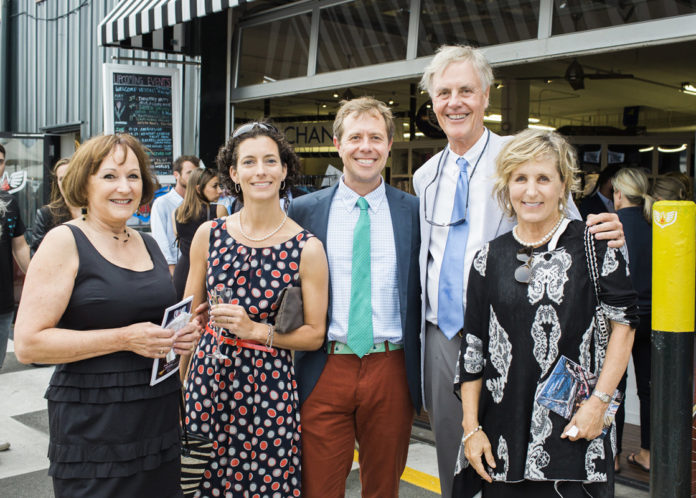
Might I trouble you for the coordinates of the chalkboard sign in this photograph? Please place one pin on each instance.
(143, 101)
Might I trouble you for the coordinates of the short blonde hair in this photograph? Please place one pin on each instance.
(87, 159)
(529, 145)
(633, 183)
(446, 55)
(360, 106)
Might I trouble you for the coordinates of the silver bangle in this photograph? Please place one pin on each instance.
(269, 337)
(465, 438)
(602, 396)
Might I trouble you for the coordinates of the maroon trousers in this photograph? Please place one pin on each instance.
(357, 398)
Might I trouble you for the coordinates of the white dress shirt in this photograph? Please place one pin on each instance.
(343, 215)
(162, 227)
(444, 191)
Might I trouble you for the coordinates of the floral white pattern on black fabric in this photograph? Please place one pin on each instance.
(540, 430)
(473, 357)
(480, 260)
(610, 263)
(503, 456)
(546, 346)
(500, 352)
(585, 356)
(613, 438)
(457, 378)
(615, 313)
(549, 273)
(594, 451)
(462, 461)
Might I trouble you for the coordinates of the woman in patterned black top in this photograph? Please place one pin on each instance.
(241, 390)
(530, 300)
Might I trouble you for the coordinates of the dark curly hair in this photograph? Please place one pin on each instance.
(229, 154)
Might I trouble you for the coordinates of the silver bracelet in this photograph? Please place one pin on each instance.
(465, 438)
(269, 337)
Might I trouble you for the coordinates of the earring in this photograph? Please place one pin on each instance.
(560, 205)
(236, 187)
(282, 185)
(84, 213)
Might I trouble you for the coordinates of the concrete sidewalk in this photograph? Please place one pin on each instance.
(24, 422)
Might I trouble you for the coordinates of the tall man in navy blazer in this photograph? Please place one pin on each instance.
(368, 394)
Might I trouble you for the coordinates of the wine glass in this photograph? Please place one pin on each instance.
(218, 297)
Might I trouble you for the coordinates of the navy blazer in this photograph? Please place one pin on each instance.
(312, 213)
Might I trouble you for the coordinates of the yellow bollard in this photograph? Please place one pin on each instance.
(673, 290)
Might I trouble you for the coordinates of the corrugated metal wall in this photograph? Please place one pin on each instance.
(56, 68)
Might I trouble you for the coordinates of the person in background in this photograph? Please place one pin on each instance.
(164, 206)
(92, 302)
(4, 185)
(530, 301)
(601, 199)
(241, 391)
(671, 188)
(634, 206)
(57, 211)
(13, 246)
(458, 215)
(198, 207)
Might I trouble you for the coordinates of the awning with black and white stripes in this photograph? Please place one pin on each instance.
(133, 18)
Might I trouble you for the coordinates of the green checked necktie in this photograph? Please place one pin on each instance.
(360, 314)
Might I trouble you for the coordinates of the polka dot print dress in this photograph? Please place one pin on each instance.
(248, 405)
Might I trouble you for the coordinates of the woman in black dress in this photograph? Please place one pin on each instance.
(633, 204)
(241, 390)
(530, 300)
(93, 297)
(57, 211)
(199, 206)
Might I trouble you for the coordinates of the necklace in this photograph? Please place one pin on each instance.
(268, 235)
(541, 241)
(125, 239)
(117, 237)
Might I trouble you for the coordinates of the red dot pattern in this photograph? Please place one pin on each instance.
(238, 402)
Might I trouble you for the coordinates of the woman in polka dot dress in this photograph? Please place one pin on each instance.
(241, 389)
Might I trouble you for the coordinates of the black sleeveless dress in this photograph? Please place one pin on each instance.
(185, 233)
(111, 434)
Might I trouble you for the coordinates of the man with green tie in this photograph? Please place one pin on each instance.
(364, 384)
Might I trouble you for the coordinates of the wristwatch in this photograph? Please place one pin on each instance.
(603, 396)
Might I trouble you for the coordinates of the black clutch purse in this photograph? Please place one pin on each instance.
(290, 315)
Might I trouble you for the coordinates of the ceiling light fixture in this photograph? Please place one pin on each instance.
(542, 127)
(688, 88)
(669, 151)
(647, 149)
(493, 118)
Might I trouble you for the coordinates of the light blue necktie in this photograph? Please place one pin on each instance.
(360, 338)
(450, 312)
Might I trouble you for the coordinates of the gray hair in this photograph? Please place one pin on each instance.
(447, 54)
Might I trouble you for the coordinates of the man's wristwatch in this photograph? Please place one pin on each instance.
(603, 396)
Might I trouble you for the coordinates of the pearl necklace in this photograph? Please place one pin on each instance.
(268, 235)
(541, 241)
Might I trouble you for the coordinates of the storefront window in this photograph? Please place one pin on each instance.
(672, 157)
(570, 16)
(362, 33)
(274, 51)
(475, 23)
(629, 156)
